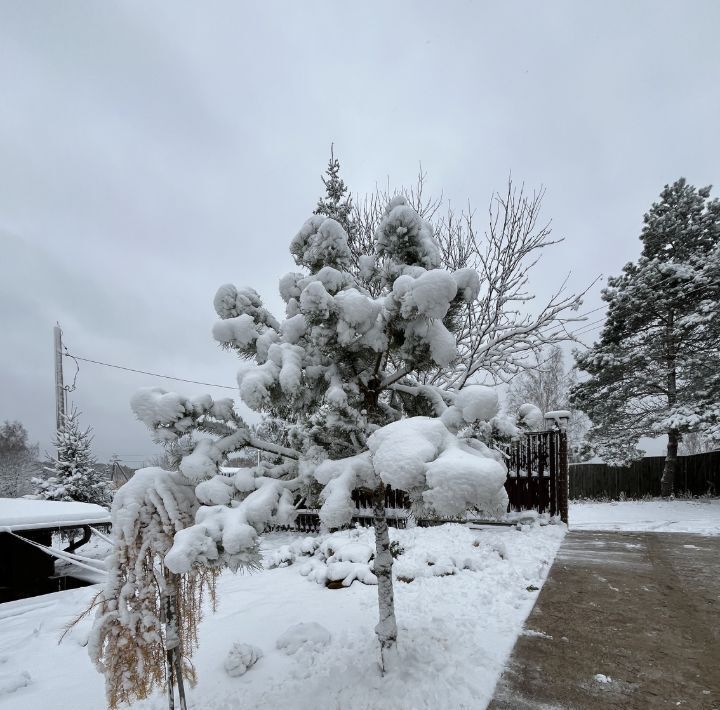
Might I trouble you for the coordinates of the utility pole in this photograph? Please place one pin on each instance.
(59, 386)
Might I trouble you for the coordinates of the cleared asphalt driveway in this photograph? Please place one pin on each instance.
(629, 620)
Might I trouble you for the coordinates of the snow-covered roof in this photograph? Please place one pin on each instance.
(24, 514)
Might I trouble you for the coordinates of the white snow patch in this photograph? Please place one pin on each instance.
(308, 634)
(455, 632)
(700, 516)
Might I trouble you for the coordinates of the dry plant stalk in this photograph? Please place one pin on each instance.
(128, 638)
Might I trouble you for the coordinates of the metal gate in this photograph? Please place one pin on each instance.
(538, 473)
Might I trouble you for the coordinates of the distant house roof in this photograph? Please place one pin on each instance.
(24, 514)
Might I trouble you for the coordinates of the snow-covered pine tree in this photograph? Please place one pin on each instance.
(343, 370)
(337, 203)
(74, 474)
(655, 368)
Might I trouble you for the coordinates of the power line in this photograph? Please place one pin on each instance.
(587, 326)
(144, 372)
(594, 310)
(589, 330)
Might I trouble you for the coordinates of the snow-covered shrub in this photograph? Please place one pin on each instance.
(240, 658)
(131, 631)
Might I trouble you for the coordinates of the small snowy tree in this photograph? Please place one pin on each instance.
(656, 367)
(344, 371)
(74, 475)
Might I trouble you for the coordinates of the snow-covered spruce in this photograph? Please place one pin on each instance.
(345, 371)
(74, 474)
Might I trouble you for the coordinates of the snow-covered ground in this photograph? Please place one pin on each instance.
(693, 516)
(458, 618)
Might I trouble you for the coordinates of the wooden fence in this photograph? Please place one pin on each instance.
(696, 475)
(537, 480)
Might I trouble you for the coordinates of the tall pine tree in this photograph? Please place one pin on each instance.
(655, 368)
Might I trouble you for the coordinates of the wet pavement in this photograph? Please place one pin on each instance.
(627, 620)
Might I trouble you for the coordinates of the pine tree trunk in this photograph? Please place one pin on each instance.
(386, 628)
(667, 481)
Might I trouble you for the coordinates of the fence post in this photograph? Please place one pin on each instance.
(553, 474)
(563, 477)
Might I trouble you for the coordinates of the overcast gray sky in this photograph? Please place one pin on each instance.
(150, 152)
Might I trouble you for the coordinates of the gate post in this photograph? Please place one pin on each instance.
(563, 482)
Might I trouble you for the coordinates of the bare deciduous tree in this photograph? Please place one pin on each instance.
(501, 332)
(18, 460)
(547, 386)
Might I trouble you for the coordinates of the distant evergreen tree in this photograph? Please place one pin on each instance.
(74, 472)
(656, 368)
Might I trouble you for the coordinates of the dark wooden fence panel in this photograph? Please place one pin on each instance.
(538, 473)
(537, 480)
(696, 475)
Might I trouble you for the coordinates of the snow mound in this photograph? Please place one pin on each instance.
(477, 403)
(309, 634)
(10, 682)
(240, 658)
(530, 416)
(336, 560)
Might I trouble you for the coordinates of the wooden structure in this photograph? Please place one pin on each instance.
(695, 476)
(538, 473)
(26, 570)
(537, 480)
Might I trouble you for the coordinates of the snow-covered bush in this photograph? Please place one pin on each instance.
(143, 610)
(240, 658)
